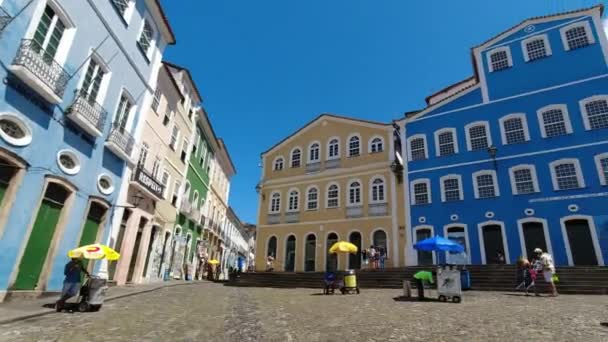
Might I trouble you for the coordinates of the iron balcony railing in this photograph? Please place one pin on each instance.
(36, 60)
(186, 207)
(5, 18)
(92, 111)
(121, 138)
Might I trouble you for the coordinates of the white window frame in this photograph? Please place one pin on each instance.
(494, 183)
(532, 169)
(291, 156)
(371, 189)
(582, 103)
(270, 203)
(153, 38)
(297, 201)
(105, 81)
(275, 161)
(327, 195)
(177, 136)
(598, 165)
(577, 166)
(524, 123)
(328, 157)
(442, 187)
(128, 11)
(584, 24)
(348, 188)
(371, 143)
(348, 145)
(413, 183)
(486, 124)
(454, 136)
(541, 122)
(308, 199)
(594, 237)
(482, 246)
(542, 37)
(466, 237)
(130, 114)
(499, 49)
(310, 160)
(409, 146)
(415, 241)
(166, 190)
(522, 240)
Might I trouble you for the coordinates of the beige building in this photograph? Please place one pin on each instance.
(332, 180)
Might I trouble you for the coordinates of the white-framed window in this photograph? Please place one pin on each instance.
(354, 192)
(14, 130)
(313, 152)
(376, 145)
(566, 174)
(312, 198)
(523, 179)
(195, 200)
(146, 37)
(554, 121)
(514, 129)
(451, 188)
(174, 138)
(420, 191)
(354, 146)
(417, 147)
(294, 200)
(296, 157)
(377, 190)
(333, 148)
(48, 35)
(156, 167)
(278, 163)
(499, 59)
(478, 135)
(184, 153)
(446, 143)
(124, 8)
(143, 154)
(275, 203)
(536, 47)
(595, 112)
(156, 99)
(577, 35)
(94, 80)
(123, 111)
(601, 162)
(333, 196)
(176, 191)
(485, 184)
(165, 179)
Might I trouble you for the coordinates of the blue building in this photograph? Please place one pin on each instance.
(516, 157)
(76, 76)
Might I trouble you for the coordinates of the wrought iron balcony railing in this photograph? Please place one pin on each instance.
(88, 114)
(121, 142)
(41, 65)
(5, 18)
(186, 207)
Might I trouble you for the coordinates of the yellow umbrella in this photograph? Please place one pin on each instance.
(96, 251)
(343, 247)
(213, 262)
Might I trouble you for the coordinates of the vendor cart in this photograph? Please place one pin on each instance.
(449, 284)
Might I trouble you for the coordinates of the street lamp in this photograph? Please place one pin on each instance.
(135, 199)
(492, 150)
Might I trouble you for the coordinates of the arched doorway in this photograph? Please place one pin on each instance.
(94, 221)
(331, 260)
(580, 242)
(354, 260)
(493, 244)
(7, 173)
(533, 233)
(424, 258)
(310, 253)
(271, 250)
(290, 254)
(458, 234)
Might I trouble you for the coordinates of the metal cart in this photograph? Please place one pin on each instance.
(449, 284)
(350, 282)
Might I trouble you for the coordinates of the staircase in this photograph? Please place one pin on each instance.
(573, 280)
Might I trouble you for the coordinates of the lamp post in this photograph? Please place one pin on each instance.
(135, 199)
(492, 150)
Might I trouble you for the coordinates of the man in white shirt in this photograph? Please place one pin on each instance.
(548, 268)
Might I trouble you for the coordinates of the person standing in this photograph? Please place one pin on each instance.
(382, 257)
(364, 254)
(422, 277)
(547, 266)
(71, 284)
(372, 257)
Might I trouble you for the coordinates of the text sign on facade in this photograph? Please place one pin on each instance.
(149, 183)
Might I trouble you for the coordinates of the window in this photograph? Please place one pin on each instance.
(296, 158)
(445, 142)
(478, 137)
(174, 137)
(514, 129)
(14, 130)
(92, 81)
(595, 112)
(417, 150)
(536, 47)
(499, 59)
(175, 196)
(601, 161)
(333, 196)
(165, 181)
(421, 191)
(167, 117)
(145, 38)
(554, 121)
(184, 154)
(143, 155)
(278, 164)
(275, 202)
(121, 6)
(354, 146)
(48, 35)
(376, 145)
(485, 184)
(523, 179)
(156, 100)
(312, 199)
(576, 36)
(333, 151)
(195, 200)
(354, 193)
(451, 188)
(294, 199)
(566, 174)
(155, 168)
(122, 112)
(378, 193)
(313, 155)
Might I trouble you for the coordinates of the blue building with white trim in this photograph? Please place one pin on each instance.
(77, 77)
(516, 157)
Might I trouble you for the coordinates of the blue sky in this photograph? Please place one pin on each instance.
(267, 67)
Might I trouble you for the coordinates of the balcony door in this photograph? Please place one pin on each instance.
(48, 35)
(122, 113)
(92, 81)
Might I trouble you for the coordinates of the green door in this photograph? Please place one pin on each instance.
(40, 239)
(91, 226)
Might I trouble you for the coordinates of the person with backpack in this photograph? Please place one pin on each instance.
(547, 266)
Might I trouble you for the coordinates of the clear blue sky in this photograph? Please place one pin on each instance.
(266, 67)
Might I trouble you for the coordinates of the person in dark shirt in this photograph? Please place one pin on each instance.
(71, 283)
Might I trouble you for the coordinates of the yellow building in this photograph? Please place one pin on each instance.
(334, 179)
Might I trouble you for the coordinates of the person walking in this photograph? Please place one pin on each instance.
(372, 257)
(71, 284)
(547, 266)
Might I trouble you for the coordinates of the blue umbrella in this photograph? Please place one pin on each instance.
(438, 243)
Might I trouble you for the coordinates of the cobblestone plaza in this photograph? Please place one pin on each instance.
(212, 312)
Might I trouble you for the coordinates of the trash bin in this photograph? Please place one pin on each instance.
(350, 282)
(465, 279)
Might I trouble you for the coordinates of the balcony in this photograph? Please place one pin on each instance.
(185, 207)
(195, 215)
(378, 209)
(40, 71)
(354, 211)
(293, 217)
(313, 167)
(332, 164)
(274, 218)
(121, 143)
(147, 183)
(87, 114)
(5, 18)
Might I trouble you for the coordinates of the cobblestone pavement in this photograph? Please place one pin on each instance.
(211, 312)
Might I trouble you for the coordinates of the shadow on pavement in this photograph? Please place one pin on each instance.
(604, 324)
(531, 295)
(415, 299)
